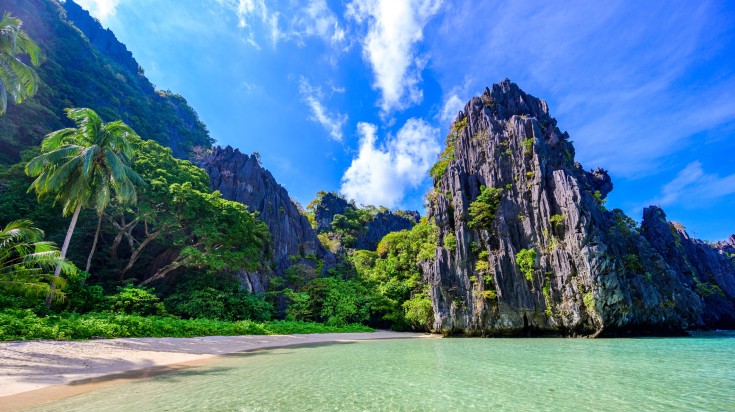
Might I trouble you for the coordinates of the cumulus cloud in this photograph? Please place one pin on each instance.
(382, 174)
(99, 9)
(280, 21)
(693, 187)
(313, 96)
(394, 30)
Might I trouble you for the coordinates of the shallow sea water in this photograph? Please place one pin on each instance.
(661, 374)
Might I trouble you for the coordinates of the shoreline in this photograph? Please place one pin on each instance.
(36, 372)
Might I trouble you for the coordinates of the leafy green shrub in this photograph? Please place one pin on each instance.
(526, 260)
(299, 306)
(419, 312)
(219, 297)
(528, 145)
(482, 210)
(489, 294)
(633, 263)
(556, 220)
(81, 297)
(450, 242)
(392, 273)
(707, 289)
(24, 324)
(440, 168)
(135, 301)
(598, 197)
(589, 301)
(211, 303)
(337, 302)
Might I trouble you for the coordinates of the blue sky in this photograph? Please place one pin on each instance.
(356, 96)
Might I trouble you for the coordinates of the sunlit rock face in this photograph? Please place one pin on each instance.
(591, 272)
(241, 178)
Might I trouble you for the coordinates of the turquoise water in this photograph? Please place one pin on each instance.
(445, 374)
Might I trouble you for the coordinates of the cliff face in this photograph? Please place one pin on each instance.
(550, 258)
(87, 66)
(241, 178)
(375, 224)
(707, 269)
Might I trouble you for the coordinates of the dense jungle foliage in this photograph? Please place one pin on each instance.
(162, 258)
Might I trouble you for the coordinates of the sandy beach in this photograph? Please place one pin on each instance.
(37, 371)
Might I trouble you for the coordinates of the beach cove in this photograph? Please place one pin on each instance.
(34, 372)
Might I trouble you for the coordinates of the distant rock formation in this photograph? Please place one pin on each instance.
(380, 223)
(548, 258)
(329, 205)
(383, 223)
(241, 178)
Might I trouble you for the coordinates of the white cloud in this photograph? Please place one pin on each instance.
(381, 175)
(280, 21)
(452, 106)
(692, 187)
(394, 30)
(99, 9)
(317, 19)
(332, 122)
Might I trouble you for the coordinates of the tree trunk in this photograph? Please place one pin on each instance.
(94, 244)
(164, 271)
(65, 247)
(137, 251)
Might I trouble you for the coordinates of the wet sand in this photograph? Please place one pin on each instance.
(34, 372)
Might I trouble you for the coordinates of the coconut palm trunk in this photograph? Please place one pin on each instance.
(94, 243)
(64, 249)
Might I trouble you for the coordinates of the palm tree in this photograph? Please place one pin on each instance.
(27, 262)
(81, 168)
(16, 78)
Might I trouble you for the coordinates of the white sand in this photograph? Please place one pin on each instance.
(31, 365)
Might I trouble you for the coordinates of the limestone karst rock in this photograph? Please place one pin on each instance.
(241, 178)
(550, 258)
(381, 223)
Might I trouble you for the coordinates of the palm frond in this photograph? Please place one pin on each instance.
(27, 46)
(55, 140)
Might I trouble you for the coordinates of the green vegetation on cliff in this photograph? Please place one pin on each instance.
(78, 74)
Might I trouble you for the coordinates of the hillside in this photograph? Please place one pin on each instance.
(87, 66)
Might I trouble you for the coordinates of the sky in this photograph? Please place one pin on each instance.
(356, 96)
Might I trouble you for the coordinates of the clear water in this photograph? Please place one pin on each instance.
(445, 374)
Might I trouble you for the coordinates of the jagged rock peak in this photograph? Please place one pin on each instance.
(506, 99)
(242, 178)
(527, 246)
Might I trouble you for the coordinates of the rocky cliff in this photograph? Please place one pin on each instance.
(527, 246)
(370, 224)
(242, 178)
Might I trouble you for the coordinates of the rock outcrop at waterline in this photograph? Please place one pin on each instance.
(241, 178)
(539, 253)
